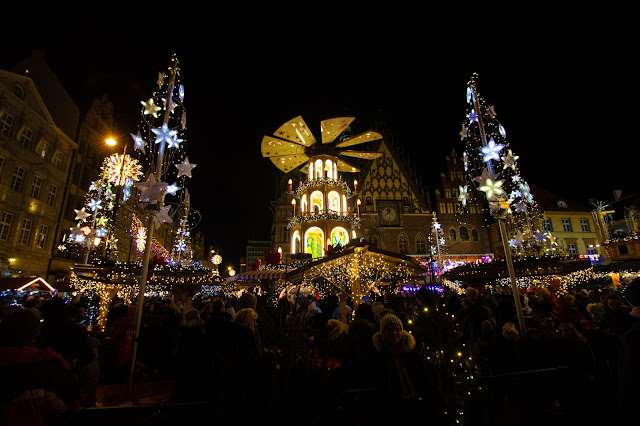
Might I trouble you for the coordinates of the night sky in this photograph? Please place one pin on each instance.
(564, 99)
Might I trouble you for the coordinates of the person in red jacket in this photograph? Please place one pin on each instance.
(38, 386)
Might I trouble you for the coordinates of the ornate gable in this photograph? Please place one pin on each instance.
(25, 90)
(386, 179)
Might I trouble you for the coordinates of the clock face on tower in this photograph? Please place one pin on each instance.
(388, 213)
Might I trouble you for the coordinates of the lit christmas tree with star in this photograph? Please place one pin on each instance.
(491, 167)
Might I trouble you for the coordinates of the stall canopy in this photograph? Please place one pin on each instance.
(30, 284)
(261, 274)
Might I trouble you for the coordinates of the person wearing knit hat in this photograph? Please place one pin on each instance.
(401, 375)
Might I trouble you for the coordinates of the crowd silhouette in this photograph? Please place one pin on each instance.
(449, 358)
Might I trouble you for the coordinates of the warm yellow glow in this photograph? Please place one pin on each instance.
(12, 260)
(96, 241)
(110, 142)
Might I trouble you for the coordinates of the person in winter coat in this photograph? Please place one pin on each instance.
(38, 385)
(402, 380)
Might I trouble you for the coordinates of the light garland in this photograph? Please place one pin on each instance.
(353, 220)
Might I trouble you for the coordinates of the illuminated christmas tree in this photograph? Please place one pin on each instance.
(491, 167)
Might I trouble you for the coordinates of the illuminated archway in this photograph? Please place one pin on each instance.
(314, 241)
(339, 236)
(328, 166)
(333, 202)
(295, 246)
(303, 204)
(319, 169)
(317, 204)
(344, 204)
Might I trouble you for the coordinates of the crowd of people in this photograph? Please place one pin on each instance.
(575, 356)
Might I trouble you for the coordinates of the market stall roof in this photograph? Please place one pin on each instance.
(261, 274)
(388, 257)
(29, 284)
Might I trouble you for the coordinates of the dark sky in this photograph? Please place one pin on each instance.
(564, 99)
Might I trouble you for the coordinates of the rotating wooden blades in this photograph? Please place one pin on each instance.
(367, 136)
(286, 163)
(274, 147)
(333, 127)
(343, 166)
(365, 155)
(296, 130)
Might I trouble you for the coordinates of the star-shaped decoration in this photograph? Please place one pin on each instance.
(491, 188)
(150, 108)
(164, 134)
(160, 81)
(138, 142)
(169, 104)
(520, 207)
(491, 150)
(463, 132)
(184, 168)
(510, 160)
(492, 111)
(181, 246)
(109, 196)
(113, 243)
(539, 236)
(472, 116)
(102, 221)
(151, 189)
(463, 194)
(172, 189)
(550, 238)
(101, 232)
(484, 177)
(174, 142)
(94, 204)
(162, 216)
(465, 161)
(82, 214)
(502, 131)
(469, 94)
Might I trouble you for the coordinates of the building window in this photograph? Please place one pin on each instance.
(25, 137)
(547, 225)
(474, 235)
(5, 225)
(572, 249)
(6, 121)
(1, 164)
(25, 232)
(57, 160)
(403, 247)
(452, 235)
(421, 246)
(17, 178)
(35, 187)
(285, 235)
(566, 224)
(43, 147)
(591, 249)
(51, 198)
(464, 234)
(42, 236)
(585, 225)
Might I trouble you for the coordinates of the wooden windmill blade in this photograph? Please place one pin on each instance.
(363, 137)
(333, 127)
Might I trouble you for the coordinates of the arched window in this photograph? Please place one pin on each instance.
(314, 242)
(335, 171)
(464, 234)
(452, 235)
(316, 202)
(339, 236)
(319, 169)
(295, 246)
(421, 246)
(474, 235)
(328, 166)
(344, 204)
(333, 202)
(403, 244)
(310, 171)
(303, 204)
